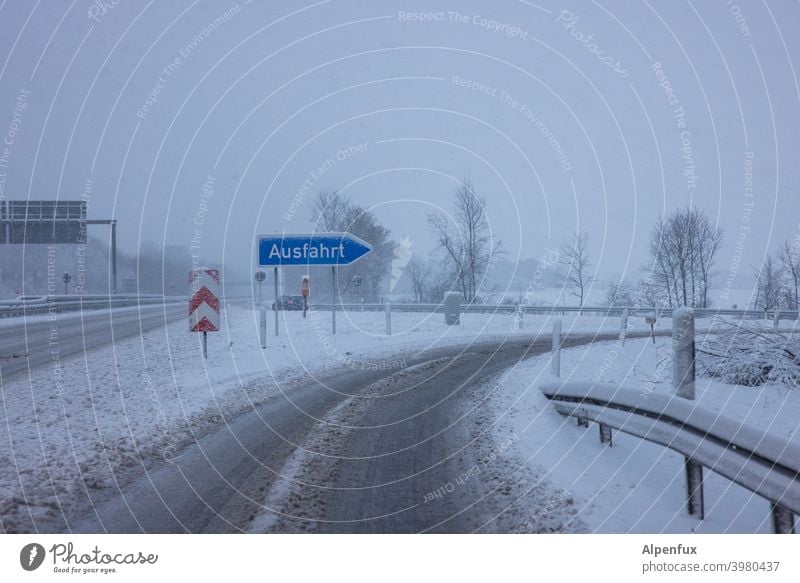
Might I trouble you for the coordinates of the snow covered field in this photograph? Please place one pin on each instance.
(635, 486)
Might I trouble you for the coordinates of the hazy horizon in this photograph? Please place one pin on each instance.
(237, 114)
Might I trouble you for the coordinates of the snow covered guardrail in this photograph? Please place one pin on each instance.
(42, 305)
(752, 457)
(745, 454)
(610, 311)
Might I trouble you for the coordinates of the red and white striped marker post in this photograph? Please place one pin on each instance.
(204, 303)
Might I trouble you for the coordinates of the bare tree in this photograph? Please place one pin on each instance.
(467, 245)
(790, 261)
(575, 259)
(768, 296)
(420, 272)
(331, 211)
(619, 293)
(706, 245)
(683, 248)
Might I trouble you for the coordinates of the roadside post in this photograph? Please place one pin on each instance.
(263, 326)
(388, 308)
(357, 284)
(623, 326)
(260, 277)
(452, 308)
(683, 381)
(277, 301)
(335, 287)
(204, 303)
(305, 290)
(555, 362)
(651, 320)
(310, 249)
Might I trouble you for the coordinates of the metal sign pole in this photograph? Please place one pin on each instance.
(114, 256)
(263, 326)
(277, 305)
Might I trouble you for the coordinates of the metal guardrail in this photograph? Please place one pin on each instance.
(43, 305)
(750, 456)
(610, 311)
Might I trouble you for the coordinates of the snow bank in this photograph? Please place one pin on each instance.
(635, 486)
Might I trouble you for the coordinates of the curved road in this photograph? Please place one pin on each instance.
(404, 450)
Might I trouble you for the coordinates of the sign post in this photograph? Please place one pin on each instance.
(305, 289)
(335, 284)
(204, 303)
(313, 249)
(277, 301)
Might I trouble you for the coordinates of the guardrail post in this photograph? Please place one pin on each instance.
(777, 322)
(683, 380)
(263, 326)
(694, 488)
(605, 433)
(623, 326)
(782, 519)
(555, 362)
(388, 317)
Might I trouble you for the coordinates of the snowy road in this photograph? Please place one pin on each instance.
(400, 450)
(33, 341)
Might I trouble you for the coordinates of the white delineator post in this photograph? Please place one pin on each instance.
(388, 317)
(263, 326)
(520, 316)
(777, 322)
(555, 362)
(683, 381)
(623, 326)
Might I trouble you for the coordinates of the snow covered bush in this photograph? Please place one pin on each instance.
(745, 354)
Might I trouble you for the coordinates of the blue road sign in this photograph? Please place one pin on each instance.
(310, 249)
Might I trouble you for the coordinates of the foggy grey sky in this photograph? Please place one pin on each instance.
(250, 106)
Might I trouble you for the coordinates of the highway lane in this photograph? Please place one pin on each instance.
(30, 342)
(354, 451)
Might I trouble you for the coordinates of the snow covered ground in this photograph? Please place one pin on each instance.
(89, 420)
(634, 486)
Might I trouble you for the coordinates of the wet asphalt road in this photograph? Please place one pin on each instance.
(29, 342)
(355, 451)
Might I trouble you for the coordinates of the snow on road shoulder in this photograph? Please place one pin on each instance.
(634, 486)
